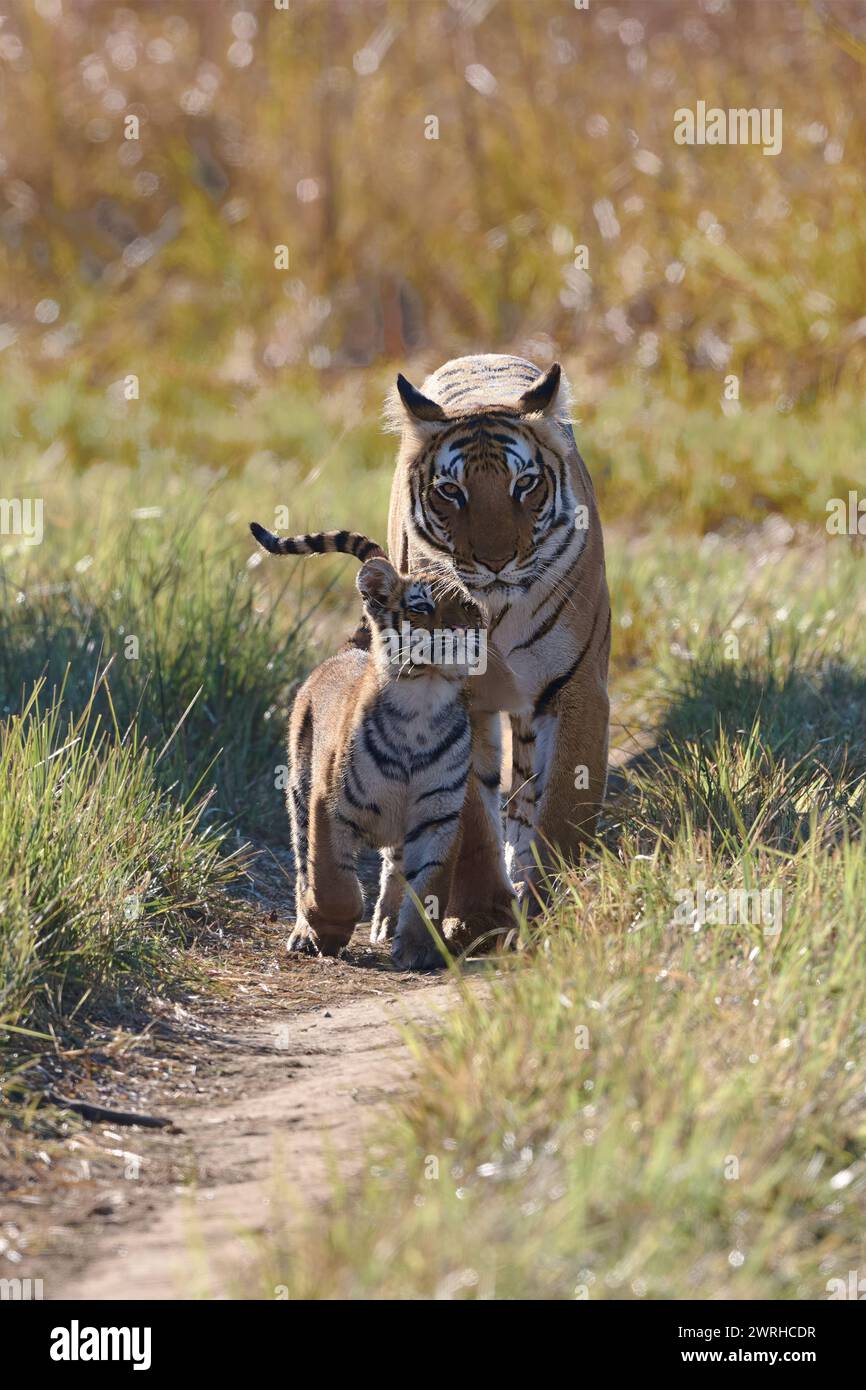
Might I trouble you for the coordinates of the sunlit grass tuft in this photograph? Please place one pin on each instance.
(104, 873)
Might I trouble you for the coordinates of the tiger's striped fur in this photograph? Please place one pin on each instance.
(318, 543)
(489, 486)
(379, 756)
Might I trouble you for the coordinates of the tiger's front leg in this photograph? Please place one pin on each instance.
(568, 780)
(520, 804)
(481, 899)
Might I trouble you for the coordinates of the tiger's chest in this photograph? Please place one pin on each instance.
(523, 655)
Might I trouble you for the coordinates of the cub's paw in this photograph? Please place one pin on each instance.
(303, 941)
(382, 929)
(416, 951)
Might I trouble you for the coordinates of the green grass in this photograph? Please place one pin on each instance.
(145, 669)
(652, 1103)
(104, 873)
(147, 568)
(195, 446)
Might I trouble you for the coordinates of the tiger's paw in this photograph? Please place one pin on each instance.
(479, 931)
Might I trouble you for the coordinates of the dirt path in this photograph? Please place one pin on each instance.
(328, 1074)
(278, 1065)
(276, 1068)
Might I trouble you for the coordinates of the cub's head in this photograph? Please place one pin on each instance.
(490, 491)
(422, 623)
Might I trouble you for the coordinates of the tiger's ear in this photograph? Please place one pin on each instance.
(377, 582)
(406, 405)
(418, 405)
(543, 398)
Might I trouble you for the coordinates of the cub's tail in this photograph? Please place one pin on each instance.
(318, 543)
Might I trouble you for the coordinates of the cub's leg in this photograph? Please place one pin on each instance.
(332, 901)
(414, 948)
(430, 850)
(298, 803)
(481, 895)
(391, 890)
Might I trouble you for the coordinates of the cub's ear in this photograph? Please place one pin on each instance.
(406, 404)
(543, 398)
(377, 582)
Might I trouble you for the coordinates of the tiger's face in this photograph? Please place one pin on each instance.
(491, 493)
(424, 622)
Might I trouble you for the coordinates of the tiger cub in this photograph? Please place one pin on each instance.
(379, 753)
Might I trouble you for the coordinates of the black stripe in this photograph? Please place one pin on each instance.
(358, 803)
(396, 753)
(430, 864)
(552, 690)
(317, 543)
(549, 622)
(489, 779)
(395, 713)
(382, 760)
(421, 761)
(445, 713)
(457, 786)
(428, 825)
(353, 825)
(306, 729)
(367, 549)
(506, 608)
(550, 560)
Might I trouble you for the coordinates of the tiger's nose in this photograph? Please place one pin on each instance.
(495, 564)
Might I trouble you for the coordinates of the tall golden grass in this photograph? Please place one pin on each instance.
(308, 128)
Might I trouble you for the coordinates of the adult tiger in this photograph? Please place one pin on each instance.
(489, 482)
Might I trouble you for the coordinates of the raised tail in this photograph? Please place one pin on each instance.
(318, 543)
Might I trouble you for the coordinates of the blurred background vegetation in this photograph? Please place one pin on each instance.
(307, 128)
